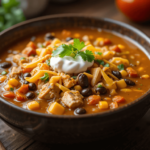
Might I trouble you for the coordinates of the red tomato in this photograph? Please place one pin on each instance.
(136, 10)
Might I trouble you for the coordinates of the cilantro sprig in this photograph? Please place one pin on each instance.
(45, 78)
(4, 73)
(48, 62)
(74, 50)
(100, 62)
(121, 67)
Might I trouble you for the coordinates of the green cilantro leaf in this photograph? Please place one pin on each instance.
(11, 89)
(74, 77)
(22, 58)
(78, 45)
(86, 55)
(121, 67)
(101, 62)
(106, 65)
(3, 73)
(73, 51)
(98, 53)
(45, 78)
(99, 86)
(48, 62)
(139, 88)
(63, 50)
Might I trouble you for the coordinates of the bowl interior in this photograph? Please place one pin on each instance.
(47, 23)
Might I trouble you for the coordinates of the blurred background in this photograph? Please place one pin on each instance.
(134, 12)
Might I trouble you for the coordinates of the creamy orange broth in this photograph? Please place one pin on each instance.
(142, 85)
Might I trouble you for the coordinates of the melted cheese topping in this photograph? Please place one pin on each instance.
(68, 64)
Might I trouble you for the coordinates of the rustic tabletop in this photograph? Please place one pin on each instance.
(137, 138)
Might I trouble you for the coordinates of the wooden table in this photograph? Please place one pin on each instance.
(137, 138)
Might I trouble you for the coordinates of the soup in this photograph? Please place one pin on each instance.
(73, 72)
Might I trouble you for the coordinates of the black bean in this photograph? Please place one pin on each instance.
(83, 80)
(30, 95)
(49, 36)
(79, 111)
(129, 82)
(68, 39)
(117, 74)
(27, 75)
(32, 86)
(101, 90)
(5, 65)
(86, 92)
(26, 82)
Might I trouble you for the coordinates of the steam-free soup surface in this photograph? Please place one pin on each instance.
(118, 72)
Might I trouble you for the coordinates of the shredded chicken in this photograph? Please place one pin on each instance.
(15, 72)
(72, 99)
(49, 91)
(67, 80)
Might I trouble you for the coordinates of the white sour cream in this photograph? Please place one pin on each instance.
(68, 64)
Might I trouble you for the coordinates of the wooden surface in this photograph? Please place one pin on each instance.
(137, 138)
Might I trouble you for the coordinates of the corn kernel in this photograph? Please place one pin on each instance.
(78, 88)
(145, 76)
(33, 105)
(141, 69)
(8, 87)
(103, 105)
(100, 39)
(121, 46)
(123, 73)
(13, 82)
(3, 78)
(56, 108)
(121, 84)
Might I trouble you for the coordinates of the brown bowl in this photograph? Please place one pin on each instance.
(66, 129)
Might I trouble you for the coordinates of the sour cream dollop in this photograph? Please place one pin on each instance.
(68, 64)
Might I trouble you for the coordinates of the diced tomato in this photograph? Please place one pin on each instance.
(94, 99)
(32, 45)
(107, 42)
(9, 95)
(113, 105)
(20, 97)
(25, 70)
(28, 51)
(23, 89)
(132, 72)
(47, 43)
(104, 42)
(118, 99)
(115, 48)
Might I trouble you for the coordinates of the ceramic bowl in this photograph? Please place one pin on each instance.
(67, 129)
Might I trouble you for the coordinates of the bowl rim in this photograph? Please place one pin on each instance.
(99, 114)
